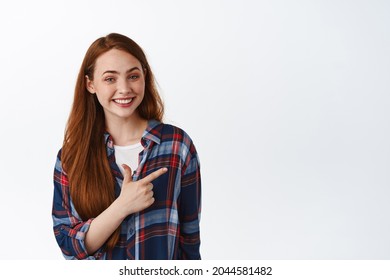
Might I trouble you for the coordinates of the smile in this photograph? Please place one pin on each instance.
(123, 101)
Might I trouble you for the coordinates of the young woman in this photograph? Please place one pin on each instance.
(126, 185)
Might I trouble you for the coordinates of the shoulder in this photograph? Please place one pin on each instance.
(174, 133)
(170, 136)
(180, 142)
(59, 154)
(182, 145)
(58, 164)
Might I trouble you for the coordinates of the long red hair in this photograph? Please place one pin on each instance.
(84, 156)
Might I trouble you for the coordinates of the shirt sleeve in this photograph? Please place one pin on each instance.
(190, 207)
(69, 229)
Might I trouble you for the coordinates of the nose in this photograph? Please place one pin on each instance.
(123, 86)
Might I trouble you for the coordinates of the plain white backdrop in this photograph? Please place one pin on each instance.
(287, 103)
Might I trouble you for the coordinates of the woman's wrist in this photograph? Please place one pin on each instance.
(120, 208)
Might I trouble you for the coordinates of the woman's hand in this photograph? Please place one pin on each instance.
(137, 196)
(134, 197)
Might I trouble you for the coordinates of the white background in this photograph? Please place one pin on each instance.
(286, 101)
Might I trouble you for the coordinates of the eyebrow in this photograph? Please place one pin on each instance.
(116, 72)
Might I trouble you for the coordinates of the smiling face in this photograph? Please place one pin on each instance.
(119, 84)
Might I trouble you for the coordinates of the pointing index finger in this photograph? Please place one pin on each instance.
(155, 175)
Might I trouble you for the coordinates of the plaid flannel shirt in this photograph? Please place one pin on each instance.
(169, 229)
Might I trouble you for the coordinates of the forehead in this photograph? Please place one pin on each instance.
(117, 60)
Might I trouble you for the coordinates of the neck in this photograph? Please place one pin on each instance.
(127, 131)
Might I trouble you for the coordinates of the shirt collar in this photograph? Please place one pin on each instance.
(153, 131)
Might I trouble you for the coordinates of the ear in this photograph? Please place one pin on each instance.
(89, 85)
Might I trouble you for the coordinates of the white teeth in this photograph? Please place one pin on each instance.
(123, 101)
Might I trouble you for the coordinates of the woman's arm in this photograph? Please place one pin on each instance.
(110, 219)
(134, 197)
(69, 229)
(190, 207)
(81, 239)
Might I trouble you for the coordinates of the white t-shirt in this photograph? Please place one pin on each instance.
(128, 155)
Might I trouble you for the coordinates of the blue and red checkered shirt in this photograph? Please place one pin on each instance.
(169, 229)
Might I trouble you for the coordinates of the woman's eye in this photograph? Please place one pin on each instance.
(133, 77)
(110, 80)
